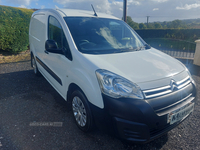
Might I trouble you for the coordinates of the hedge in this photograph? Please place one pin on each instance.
(183, 34)
(14, 28)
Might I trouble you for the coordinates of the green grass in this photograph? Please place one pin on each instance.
(171, 44)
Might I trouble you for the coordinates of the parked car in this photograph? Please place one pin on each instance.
(109, 75)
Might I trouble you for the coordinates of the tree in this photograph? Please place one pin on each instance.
(176, 23)
(142, 26)
(131, 23)
(157, 25)
(150, 26)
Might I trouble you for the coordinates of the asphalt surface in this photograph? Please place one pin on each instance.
(26, 100)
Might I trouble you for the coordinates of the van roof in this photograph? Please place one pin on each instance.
(77, 13)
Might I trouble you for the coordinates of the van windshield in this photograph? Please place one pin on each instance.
(100, 35)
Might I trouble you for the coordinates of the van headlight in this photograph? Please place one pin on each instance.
(116, 86)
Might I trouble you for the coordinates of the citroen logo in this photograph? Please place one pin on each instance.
(173, 85)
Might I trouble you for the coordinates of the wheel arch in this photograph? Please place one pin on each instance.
(88, 84)
(72, 87)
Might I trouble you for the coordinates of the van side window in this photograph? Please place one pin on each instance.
(56, 33)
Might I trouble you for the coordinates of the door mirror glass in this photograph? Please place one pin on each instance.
(52, 47)
(51, 44)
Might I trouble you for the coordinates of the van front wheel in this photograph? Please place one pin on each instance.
(81, 111)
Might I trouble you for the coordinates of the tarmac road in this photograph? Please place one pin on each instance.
(26, 100)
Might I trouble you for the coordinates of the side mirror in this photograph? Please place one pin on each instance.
(51, 44)
(52, 47)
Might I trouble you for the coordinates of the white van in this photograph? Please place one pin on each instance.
(109, 75)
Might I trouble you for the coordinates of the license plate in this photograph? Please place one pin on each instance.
(180, 113)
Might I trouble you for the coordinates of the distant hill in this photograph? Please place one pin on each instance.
(175, 24)
(14, 28)
(188, 21)
(192, 23)
(182, 24)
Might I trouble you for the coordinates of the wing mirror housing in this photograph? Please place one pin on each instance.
(52, 47)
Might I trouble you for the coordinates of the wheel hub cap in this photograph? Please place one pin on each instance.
(79, 111)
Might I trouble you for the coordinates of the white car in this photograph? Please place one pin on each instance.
(109, 75)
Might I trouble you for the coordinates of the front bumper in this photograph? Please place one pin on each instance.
(141, 120)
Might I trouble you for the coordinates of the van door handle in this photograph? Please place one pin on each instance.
(46, 52)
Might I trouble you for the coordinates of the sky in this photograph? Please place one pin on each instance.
(158, 10)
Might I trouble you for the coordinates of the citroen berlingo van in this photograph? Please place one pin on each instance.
(109, 76)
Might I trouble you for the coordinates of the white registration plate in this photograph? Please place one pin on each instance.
(180, 113)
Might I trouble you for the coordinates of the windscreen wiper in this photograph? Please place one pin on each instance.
(139, 48)
(146, 46)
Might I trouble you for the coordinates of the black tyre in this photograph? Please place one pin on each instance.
(34, 65)
(81, 111)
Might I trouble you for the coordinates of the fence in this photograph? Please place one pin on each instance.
(184, 34)
(180, 55)
(179, 49)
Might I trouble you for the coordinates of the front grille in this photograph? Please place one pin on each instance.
(173, 86)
